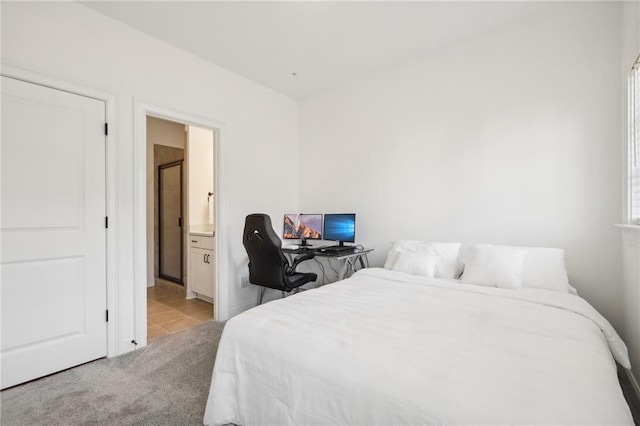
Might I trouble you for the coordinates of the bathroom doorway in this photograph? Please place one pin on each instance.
(181, 255)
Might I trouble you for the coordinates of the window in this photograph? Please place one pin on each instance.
(634, 146)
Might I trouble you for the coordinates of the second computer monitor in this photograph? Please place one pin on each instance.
(340, 227)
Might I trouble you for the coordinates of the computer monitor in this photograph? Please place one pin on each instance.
(340, 227)
(303, 227)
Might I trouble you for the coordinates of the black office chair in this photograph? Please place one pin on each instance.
(268, 266)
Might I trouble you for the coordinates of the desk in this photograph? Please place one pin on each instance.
(348, 261)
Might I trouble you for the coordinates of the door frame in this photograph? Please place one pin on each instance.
(113, 334)
(142, 109)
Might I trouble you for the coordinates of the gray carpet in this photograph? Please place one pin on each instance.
(165, 383)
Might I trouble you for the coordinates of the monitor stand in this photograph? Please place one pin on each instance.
(339, 246)
(304, 243)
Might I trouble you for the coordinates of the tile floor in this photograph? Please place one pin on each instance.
(168, 311)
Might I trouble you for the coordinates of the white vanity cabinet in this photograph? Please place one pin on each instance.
(201, 265)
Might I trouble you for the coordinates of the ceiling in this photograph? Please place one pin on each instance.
(304, 48)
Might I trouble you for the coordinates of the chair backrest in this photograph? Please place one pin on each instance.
(267, 263)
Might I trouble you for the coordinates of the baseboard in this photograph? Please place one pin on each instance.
(269, 295)
(238, 309)
(205, 298)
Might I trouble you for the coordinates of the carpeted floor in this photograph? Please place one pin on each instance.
(165, 383)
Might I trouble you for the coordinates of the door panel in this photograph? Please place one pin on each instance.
(60, 299)
(52, 182)
(52, 232)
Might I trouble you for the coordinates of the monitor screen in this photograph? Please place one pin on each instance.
(340, 227)
(302, 226)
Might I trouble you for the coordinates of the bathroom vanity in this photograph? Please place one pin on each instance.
(201, 279)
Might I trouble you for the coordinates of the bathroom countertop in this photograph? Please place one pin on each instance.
(203, 234)
(202, 230)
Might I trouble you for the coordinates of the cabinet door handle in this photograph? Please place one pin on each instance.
(194, 241)
(204, 258)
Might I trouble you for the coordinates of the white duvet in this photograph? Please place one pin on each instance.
(388, 348)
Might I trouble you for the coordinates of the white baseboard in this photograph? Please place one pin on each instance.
(237, 309)
(269, 295)
(205, 298)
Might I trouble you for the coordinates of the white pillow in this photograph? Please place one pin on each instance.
(416, 263)
(543, 268)
(497, 266)
(447, 266)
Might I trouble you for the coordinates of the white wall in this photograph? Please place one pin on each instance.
(67, 41)
(631, 292)
(630, 237)
(509, 138)
(159, 132)
(200, 175)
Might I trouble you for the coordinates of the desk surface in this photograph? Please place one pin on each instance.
(317, 251)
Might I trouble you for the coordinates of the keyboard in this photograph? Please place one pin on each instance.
(297, 248)
(337, 249)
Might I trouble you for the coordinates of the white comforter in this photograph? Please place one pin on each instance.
(386, 348)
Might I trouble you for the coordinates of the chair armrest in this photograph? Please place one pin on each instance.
(299, 259)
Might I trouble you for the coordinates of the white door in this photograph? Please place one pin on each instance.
(52, 229)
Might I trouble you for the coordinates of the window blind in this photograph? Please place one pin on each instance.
(634, 144)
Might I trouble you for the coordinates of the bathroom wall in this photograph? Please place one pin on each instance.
(201, 161)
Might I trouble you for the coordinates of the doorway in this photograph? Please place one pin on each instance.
(181, 200)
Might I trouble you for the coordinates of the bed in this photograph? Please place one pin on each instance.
(395, 347)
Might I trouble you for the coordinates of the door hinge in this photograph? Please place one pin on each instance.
(106, 129)
(107, 315)
(180, 221)
(106, 221)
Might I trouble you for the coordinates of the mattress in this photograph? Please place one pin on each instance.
(386, 347)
